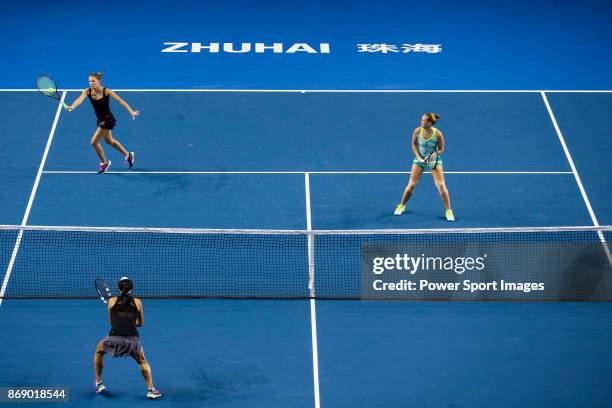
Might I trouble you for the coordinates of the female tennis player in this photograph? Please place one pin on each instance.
(125, 314)
(99, 98)
(426, 139)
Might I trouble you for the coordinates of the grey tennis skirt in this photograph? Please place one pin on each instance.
(121, 346)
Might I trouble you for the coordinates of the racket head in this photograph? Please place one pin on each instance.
(432, 160)
(46, 86)
(103, 290)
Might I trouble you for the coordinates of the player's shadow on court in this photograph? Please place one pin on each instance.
(166, 184)
(224, 383)
(380, 219)
(350, 220)
(92, 395)
(107, 395)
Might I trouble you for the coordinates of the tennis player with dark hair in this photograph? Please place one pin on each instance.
(99, 98)
(426, 139)
(125, 314)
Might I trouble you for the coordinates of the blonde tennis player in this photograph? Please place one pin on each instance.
(426, 141)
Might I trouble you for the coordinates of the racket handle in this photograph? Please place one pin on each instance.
(64, 105)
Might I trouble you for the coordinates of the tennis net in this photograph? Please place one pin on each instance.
(563, 263)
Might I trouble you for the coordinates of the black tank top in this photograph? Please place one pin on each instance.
(101, 106)
(123, 317)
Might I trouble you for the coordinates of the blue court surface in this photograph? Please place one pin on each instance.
(308, 140)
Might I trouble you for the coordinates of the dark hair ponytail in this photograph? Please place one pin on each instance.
(125, 287)
(97, 75)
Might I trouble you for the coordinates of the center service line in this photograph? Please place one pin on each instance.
(313, 311)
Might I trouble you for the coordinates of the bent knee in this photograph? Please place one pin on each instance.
(411, 185)
(441, 187)
(140, 358)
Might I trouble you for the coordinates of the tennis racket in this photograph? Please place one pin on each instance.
(432, 160)
(46, 86)
(103, 290)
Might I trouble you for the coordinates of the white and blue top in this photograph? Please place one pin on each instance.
(427, 145)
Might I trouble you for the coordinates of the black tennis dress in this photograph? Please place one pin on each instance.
(123, 316)
(104, 116)
(123, 339)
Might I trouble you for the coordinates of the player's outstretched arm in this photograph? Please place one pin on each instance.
(77, 101)
(123, 103)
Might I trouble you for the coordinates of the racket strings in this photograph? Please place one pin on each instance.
(103, 290)
(432, 159)
(46, 86)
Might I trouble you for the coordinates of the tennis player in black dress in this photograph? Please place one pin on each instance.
(100, 98)
(125, 315)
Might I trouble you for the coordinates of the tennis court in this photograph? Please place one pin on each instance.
(267, 178)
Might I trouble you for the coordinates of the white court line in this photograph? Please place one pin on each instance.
(335, 90)
(313, 310)
(296, 172)
(587, 202)
(26, 215)
(315, 353)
